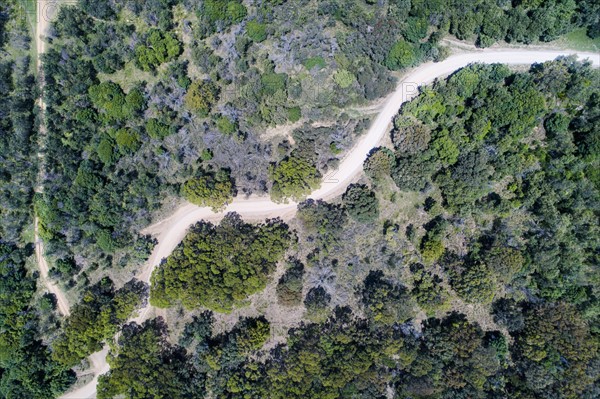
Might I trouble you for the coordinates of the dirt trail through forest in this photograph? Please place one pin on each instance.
(171, 231)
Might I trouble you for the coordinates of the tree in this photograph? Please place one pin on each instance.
(553, 352)
(114, 104)
(218, 267)
(344, 78)
(213, 189)
(505, 262)
(473, 281)
(145, 364)
(401, 55)
(158, 48)
(289, 288)
(293, 177)
(201, 96)
(410, 137)
(157, 129)
(323, 221)
(385, 301)
(317, 304)
(252, 333)
(508, 314)
(379, 163)
(256, 31)
(361, 203)
(427, 290)
(97, 318)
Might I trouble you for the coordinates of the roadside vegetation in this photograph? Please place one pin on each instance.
(463, 264)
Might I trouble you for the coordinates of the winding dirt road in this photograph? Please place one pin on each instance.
(171, 231)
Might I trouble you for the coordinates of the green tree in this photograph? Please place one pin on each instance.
(289, 287)
(218, 267)
(344, 78)
(293, 177)
(158, 48)
(401, 55)
(256, 31)
(386, 301)
(317, 304)
(361, 203)
(428, 290)
(201, 96)
(213, 189)
(379, 163)
(252, 333)
(144, 364)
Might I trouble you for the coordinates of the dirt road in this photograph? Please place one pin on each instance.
(171, 231)
(44, 13)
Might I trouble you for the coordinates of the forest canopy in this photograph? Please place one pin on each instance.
(218, 267)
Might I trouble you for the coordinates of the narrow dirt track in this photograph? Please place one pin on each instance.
(43, 15)
(171, 231)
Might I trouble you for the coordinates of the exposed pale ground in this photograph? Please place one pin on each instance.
(171, 231)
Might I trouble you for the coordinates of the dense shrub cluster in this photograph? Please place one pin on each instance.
(218, 267)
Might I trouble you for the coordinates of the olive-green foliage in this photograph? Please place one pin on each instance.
(553, 353)
(344, 78)
(218, 267)
(347, 357)
(475, 137)
(198, 330)
(145, 365)
(317, 304)
(225, 125)
(410, 136)
(385, 301)
(273, 83)
(432, 247)
(504, 262)
(459, 361)
(361, 203)
(294, 114)
(472, 280)
(106, 151)
(127, 140)
(252, 333)
(256, 31)
(219, 14)
(313, 62)
(401, 55)
(17, 140)
(329, 360)
(213, 189)
(201, 96)
(26, 368)
(97, 318)
(322, 221)
(157, 49)
(293, 178)
(157, 129)
(114, 104)
(289, 288)
(427, 290)
(379, 163)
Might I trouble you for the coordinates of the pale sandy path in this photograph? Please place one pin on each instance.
(61, 301)
(171, 231)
